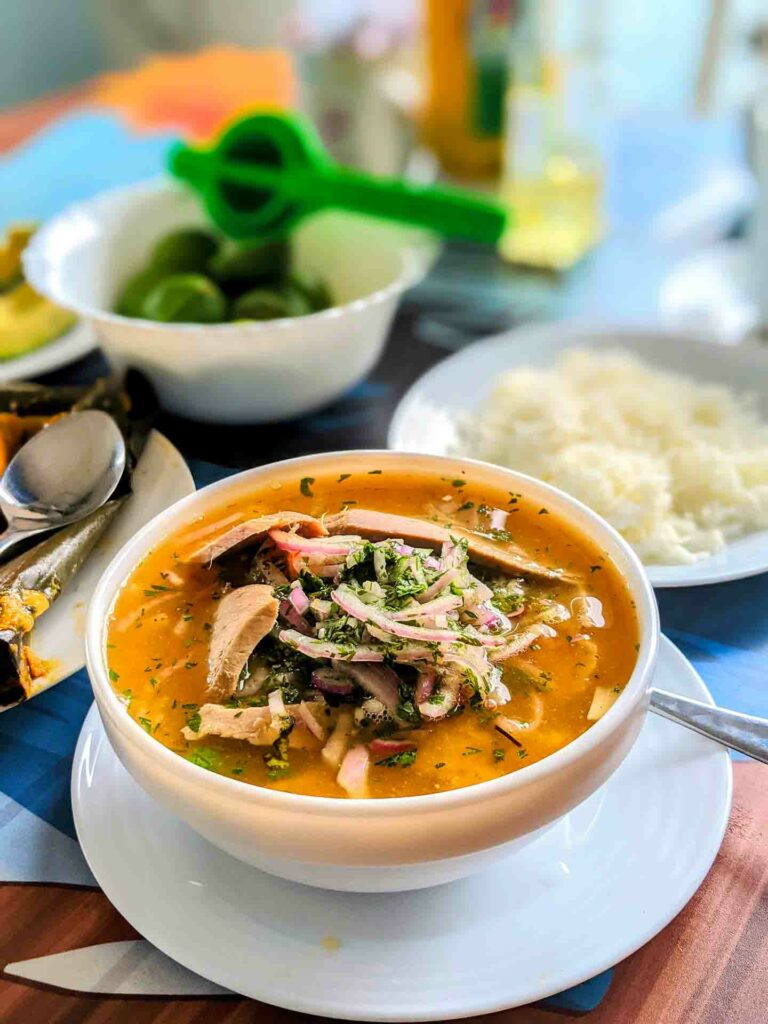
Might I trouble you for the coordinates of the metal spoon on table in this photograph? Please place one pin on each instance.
(62, 474)
(746, 733)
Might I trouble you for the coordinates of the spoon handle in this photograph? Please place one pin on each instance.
(746, 733)
(10, 537)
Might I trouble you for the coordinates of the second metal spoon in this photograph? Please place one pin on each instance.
(60, 475)
(746, 733)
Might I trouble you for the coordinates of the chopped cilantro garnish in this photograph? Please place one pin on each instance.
(498, 754)
(595, 568)
(440, 764)
(458, 483)
(113, 676)
(402, 760)
(343, 477)
(466, 506)
(205, 757)
(374, 472)
(504, 535)
(306, 486)
(145, 723)
(469, 751)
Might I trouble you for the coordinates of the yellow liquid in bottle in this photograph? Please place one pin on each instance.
(557, 216)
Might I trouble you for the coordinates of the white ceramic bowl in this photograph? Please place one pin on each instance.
(388, 844)
(240, 372)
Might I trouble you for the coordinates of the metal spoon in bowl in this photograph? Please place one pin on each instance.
(61, 475)
(746, 733)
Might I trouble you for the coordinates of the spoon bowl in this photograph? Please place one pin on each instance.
(61, 475)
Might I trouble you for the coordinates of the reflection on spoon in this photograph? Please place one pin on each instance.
(61, 475)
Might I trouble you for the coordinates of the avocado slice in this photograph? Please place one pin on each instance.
(27, 321)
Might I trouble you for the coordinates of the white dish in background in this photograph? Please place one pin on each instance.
(232, 372)
(425, 419)
(160, 479)
(577, 900)
(76, 343)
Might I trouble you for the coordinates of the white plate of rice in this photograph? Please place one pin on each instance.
(663, 435)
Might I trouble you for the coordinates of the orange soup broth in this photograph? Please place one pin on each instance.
(159, 633)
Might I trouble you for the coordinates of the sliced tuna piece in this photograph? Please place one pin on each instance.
(381, 525)
(252, 530)
(254, 725)
(243, 618)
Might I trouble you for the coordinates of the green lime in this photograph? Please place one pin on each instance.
(263, 263)
(186, 251)
(131, 299)
(185, 299)
(262, 304)
(315, 291)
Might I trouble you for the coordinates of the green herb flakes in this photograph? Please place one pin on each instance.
(205, 757)
(402, 760)
(306, 486)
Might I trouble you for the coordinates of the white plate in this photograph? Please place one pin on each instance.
(425, 419)
(576, 901)
(160, 479)
(77, 342)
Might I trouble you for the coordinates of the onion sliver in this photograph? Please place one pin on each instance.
(333, 751)
(353, 773)
(522, 641)
(305, 711)
(311, 545)
(298, 599)
(314, 648)
(385, 748)
(420, 611)
(380, 681)
(438, 586)
(349, 602)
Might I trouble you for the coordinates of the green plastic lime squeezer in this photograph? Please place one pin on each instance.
(268, 171)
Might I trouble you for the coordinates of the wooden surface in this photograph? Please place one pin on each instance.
(709, 966)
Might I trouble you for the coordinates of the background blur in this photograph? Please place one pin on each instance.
(654, 48)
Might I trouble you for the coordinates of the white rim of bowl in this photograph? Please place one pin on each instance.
(633, 694)
(415, 262)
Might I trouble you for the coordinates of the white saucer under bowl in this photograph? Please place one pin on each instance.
(585, 895)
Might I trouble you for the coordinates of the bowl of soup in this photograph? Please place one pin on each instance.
(373, 671)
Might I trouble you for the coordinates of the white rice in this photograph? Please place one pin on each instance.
(677, 466)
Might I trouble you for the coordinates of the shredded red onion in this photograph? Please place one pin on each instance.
(349, 602)
(289, 613)
(276, 704)
(425, 684)
(299, 599)
(378, 680)
(444, 700)
(314, 648)
(334, 749)
(404, 549)
(522, 641)
(438, 586)
(311, 722)
(311, 545)
(385, 748)
(353, 773)
(328, 680)
(420, 611)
